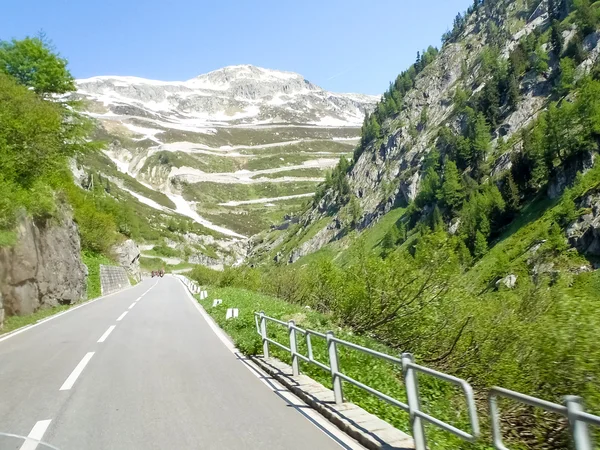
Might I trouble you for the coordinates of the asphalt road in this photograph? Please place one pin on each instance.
(158, 378)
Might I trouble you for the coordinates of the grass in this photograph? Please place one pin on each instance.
(254, 218)
(158, 264)
(101, 163)
(309, 173)
(213, 193)
(14, 322)
(257, 135)
(374, 372)
(93, 261)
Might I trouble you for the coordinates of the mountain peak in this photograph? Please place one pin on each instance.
(246, 72)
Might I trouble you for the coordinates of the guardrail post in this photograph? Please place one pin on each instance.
(579, 429)
(338, 394)
(414, 404)
(263, 334)
(293, 348)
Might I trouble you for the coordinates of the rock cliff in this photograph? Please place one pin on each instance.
(43, 269)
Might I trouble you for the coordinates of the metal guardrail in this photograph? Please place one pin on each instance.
(573, 411)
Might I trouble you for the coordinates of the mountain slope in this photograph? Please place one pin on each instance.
(497, 44)
(269, 133)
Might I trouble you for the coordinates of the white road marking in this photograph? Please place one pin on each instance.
(35, 435)
(106, 333)
(68, 384)
(310, 414)
(121, 316)
(48, 319)
(131, 306)
(138, 299)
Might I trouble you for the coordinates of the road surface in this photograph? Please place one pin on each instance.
(143, 369)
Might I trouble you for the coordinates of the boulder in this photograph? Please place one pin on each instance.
(127, 254)
(584, 233)
(509, 281)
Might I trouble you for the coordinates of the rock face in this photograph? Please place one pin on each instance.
(584, 234)
(128, 256)
(43, 268)
(509, 281)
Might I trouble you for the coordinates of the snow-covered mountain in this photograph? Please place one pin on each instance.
(232, 95)
(237, 142)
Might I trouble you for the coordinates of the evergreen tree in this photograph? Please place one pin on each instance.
(402, 233)
(480, 247)
(390, 240)
(513, 94)
(556, 38)
(566, 79)
(480, 143)
(451, 192)
(512, 196)
(437, 222)
(355, 211)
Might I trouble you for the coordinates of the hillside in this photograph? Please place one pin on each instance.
(236, 149)
(464, 228)
(488, 70)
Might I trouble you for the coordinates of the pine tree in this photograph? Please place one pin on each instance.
(452, 193)
(556, 38)
(390, 239)
(566, 79)
(437, 222)
(514, 92)
(512, 196)
(480, 246)
(402, 233)
(480, 143)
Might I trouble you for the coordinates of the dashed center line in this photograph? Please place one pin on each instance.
(106, 333)
(35, 435)
(132, 305)
(121, 316)
(68, 384)
(138, 299)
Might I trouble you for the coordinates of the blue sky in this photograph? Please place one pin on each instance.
(341, 45)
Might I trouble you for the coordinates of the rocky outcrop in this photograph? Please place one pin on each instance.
(43, 268)
(213, 263)
(584, 234)
(565, 175)
(127, 255)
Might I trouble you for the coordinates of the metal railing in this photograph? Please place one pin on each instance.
(573, 411)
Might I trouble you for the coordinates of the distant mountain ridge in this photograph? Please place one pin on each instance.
(235, 95)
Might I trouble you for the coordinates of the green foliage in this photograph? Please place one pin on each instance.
(566, 79)
(556, 38)
(92, 261)
(452, 191)
(32, 63)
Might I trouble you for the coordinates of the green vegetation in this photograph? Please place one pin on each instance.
(432, 278)
(308, 173)
(14, 322)
(99, 163)
(92, 261)
(213, 193)
(254, 218)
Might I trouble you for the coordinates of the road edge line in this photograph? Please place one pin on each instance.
(20, 330)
